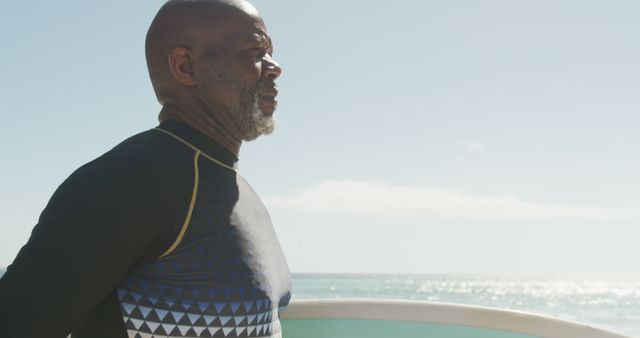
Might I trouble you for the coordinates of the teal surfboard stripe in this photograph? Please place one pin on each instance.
(358, 328)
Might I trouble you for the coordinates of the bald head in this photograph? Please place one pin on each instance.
(191, 24)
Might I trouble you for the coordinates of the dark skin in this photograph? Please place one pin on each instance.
(201, 71)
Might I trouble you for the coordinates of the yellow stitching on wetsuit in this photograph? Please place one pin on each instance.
(190, 212)
(220, 163)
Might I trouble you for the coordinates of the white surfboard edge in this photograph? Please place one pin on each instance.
(444, 313)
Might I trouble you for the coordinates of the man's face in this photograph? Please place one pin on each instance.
(237, 77)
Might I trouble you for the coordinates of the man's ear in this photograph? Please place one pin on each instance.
(180, 63)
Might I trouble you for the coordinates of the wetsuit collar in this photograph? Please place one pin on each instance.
(200, 141)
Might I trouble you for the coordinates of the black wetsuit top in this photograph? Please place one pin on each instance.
(159, 237)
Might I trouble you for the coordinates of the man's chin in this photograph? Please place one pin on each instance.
(263, 125)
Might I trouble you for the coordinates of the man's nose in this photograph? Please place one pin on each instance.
(271, 68)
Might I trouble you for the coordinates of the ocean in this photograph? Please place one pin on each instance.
(607, 302)
(611, 303)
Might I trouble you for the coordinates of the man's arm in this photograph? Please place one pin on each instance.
(102, 221)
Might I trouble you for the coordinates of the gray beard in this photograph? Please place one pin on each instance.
(250, 121)
(247, 122)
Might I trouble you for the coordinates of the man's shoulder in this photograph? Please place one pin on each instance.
(151, 145)
(151, 148)
(148, 156)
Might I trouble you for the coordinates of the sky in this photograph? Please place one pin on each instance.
(423, 136)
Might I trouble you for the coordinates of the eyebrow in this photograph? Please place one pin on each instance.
(264, 39)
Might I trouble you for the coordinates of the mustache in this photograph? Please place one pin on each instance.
(265, 83)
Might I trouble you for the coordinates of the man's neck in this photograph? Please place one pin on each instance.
(206, 126)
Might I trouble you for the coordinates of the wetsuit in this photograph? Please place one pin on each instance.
(158, 237)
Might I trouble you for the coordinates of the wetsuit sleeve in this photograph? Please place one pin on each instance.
(103, 220)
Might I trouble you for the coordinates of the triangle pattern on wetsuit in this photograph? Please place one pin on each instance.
(244, 320)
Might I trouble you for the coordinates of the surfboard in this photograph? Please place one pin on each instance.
(362, 318)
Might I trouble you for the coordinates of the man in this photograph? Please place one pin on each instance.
(161, 237)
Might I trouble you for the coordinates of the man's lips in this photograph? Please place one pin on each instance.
(268, 102)
(269, 92)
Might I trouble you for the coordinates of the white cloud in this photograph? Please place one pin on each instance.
(473, 145)
(385, 199)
